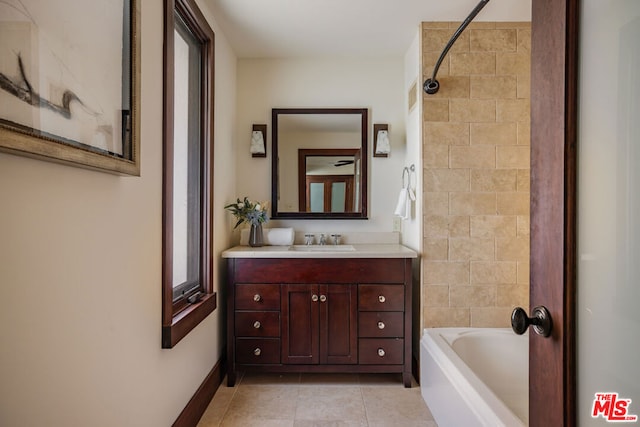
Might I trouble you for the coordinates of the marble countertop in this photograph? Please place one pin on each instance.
(327, 251)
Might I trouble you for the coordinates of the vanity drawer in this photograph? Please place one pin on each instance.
(381, 297)
(257, 323)
(383, 351)
(257, 297)
(258, 351)
(374, 324)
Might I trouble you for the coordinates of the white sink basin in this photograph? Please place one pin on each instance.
(322, 248)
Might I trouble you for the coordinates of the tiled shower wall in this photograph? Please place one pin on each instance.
(476, 174)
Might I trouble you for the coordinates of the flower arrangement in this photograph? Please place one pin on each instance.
(247, 211)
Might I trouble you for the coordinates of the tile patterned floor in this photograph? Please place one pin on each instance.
(317, 400)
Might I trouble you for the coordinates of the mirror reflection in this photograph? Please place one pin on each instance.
(319, 163)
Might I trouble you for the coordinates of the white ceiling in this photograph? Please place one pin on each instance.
(312, 28)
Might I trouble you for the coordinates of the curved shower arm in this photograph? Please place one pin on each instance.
(431, 85)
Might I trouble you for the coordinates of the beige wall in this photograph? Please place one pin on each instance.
(80, 271)
(476, 175)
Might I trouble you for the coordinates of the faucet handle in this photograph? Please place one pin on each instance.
(308, 239)
(336, 238)
(323, 239)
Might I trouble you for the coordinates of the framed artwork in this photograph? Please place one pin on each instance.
(70, 82)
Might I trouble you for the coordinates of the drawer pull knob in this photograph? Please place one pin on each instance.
(380, 325)
(381, 352)
(256, 324)
(314, 297)
(381, 298)
(323, 298)
(257, 351)
(257, 298)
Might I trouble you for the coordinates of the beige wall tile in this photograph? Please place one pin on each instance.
(524, 179)
(512, 110)
(513, 64)
(446, 133)
(474, 110)
(474, 156)
(523, 225)
(435, 39)
(446, 226)
(524, 133)
(429, 61)
(493, 133)
(436, 249)
(512, 296)
(464, 64)
(441, 272)
(435, 110)
(523, 273)
(436, 203)
(435, 24)
(435, 295)
(512, 249)
(476, 25)
(452, 86)
(491, 317)
(485, 180)
(446, 180)
(472, 203)
(512, 157)
(524, 40)
(524, 87)
(435, 156)
(472, 296)
(471, 249)
(513, 24)
(498, 272)
(498, 40)
(492, 87)
(513, 203)
(493, 226)
(439, 317)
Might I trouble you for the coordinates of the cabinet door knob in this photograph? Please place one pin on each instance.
(323, 298)
(256, 324)
(314, 297)
(381, 352)
(380, 325)
(257, 297)
(381, 298)
(257, 351)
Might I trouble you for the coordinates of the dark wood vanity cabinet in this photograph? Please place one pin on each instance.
(319, 315)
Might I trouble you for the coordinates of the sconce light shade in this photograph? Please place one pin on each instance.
(259, 141)
(381, 143)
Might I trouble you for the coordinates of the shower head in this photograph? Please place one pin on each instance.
(431, 85)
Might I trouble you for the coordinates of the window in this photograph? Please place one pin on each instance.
(187, 291)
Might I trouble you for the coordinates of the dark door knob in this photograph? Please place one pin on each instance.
(541, 321)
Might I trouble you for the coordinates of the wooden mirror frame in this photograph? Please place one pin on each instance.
(364, 172)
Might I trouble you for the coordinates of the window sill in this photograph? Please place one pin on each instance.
(183, 322)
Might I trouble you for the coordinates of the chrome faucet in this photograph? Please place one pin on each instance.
(336, 238)
(323, 240)
(308, 239)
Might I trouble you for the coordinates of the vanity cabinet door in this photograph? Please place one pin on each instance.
(300, 324)
(319, 324)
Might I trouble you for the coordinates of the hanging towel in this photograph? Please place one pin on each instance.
(403, 203)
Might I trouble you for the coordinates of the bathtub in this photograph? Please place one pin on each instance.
(475, 376)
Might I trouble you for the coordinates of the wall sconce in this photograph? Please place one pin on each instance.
(259, 141)
(381, 144)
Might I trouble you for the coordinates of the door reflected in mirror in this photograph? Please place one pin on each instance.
(319, 163)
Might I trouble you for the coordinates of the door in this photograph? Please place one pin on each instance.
(553, 217)
(300, 325)
(584, 256)
(338, 324)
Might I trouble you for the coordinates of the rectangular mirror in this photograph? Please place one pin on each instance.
(319, 168)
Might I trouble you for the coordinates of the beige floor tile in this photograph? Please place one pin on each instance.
(251, 378)
(310, 423)
(329, 379)
(393, 380)
(403, 406)
(335, 403)
(216, 410)
(262, 402)
(256, 422)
